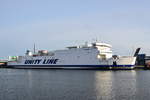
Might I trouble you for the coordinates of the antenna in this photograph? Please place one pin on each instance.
(34, 48)
(96, 39)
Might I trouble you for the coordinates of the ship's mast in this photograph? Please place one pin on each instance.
(34, 48)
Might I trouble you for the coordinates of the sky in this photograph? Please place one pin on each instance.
(56, 24)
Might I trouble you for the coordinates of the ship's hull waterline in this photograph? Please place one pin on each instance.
(73, 66)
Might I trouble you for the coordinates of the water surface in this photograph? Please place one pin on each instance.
(52, 84)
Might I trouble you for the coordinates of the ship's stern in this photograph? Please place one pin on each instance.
(125, 62)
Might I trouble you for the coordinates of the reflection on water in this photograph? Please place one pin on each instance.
(115, 85)
(46, 84)
(103, 85)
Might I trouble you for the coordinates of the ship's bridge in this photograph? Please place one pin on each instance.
(104, 50)
(97, 44)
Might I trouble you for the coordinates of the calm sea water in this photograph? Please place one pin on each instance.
(47, 84)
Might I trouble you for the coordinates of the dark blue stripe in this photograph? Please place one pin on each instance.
(92, 66)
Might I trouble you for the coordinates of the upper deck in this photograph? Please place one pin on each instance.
(95, 48)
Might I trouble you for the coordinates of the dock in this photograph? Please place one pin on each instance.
(3, 63)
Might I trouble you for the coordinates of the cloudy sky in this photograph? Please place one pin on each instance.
(55, 24)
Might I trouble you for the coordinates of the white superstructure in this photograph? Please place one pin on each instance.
(94, 55)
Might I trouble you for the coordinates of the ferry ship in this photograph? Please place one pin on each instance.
(95, 55)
